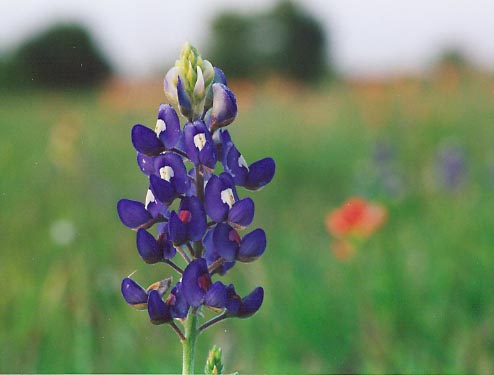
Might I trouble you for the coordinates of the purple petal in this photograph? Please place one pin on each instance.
(159, 311)
(233, 300)
(223, 143)
(145, 140)
(226, 241)
(190, 131)
(252, 246)
(219, 76)
(148, 247)
(184, 102)
(177, 302)
(224, 106)
(260, 174)
(164, 242)
(145, 163)
(177, 229)
(251, 303)
(162, 190)
(236, 166)
(179, 179)
(134, 294)
(242, 213)
(215, 208)
(198, 223)
(171, 133)
(154, 206)
(195, 282)
(133, 214)
(216, 295)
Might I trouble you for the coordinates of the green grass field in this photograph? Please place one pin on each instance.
(418, 298)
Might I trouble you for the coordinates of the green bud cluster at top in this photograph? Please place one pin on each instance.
(197, 75)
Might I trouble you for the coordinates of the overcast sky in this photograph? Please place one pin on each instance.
(368, 36)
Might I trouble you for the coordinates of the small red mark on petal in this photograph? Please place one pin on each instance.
(185, 216)
(204, 282)
(171, 300)
(234, 236)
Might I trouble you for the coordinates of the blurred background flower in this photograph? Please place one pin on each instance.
(353, 223)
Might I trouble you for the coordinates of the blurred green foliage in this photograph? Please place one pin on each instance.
(286, 40)
(64, 56)
(417, 299)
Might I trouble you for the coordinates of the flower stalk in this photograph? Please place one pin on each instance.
(204, 230)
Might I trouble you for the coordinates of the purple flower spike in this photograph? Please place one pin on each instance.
(134, 294)
(196, 282)
(199, 144)
(252, 246)
(224, 108)
(133, 214)
(184, 102)
(168, 126)
(145, 140)
(241, 214)
(159, 311)
(216, 296)
(245, 307)
(260, 174)
(148, 247)
(189, 224)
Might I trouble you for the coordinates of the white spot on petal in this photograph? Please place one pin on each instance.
(149, 198)
(200, 140)
(227, 197)
(160, 127)
(242, 162)
(166, 173)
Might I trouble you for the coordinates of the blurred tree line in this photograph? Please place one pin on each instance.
(285, 40)
(63, 56)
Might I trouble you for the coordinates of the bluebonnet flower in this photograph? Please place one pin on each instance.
(213, 257)
(181, 165)
(198, 288)
(164, 137)
(223, 204)
(136, 296)
(189, 224)
(175, 305)
(252, 177)
(199, 144)
(170, 178)
(451, 165)
(243, 307)
(230, 246)
(154, 250)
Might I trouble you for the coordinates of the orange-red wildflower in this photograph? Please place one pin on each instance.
(356, 220)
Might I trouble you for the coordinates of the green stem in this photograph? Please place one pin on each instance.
(189, 344)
